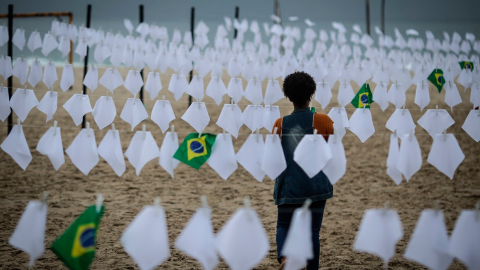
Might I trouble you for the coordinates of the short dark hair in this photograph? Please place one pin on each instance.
(299, 87)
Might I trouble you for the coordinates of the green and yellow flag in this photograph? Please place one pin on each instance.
(363, 98)
(436, 78)
(76, 246)
(195, 151)
(466, 65)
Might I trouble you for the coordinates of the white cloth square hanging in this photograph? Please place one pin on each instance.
(197, 239)
(337, 165)
(216, 89)
(465, 239)
(197, 116)
(422, 96)
(312, 154)
(167, 150)
(379, 232)
(64, 46)
(230, 119)
(273, 93)
(133, 112)
(49, 44)
(252, 117)
(141, 150)
(235, 89)
(445, 154)
(323, 95)
(117, 54)
(51, 145)
(392, 160)
(345, 94)
(242, 242)
(34, 41)
(83, 151)
(429, 243)
(195, 88)
(111, 79)
(91, 78)
(81, 48)
(77, 106)
(22, 102)
(380, 95)
(410, 157)
(253, 91)
(6, 69)
(4, 36)
(146, 238)
(435, 121)
(452, 96)
(475, 94)
(340, 120)
(250, 156)
(133, 81)
(153, 84)
(67, 77)
(29, 235)
(298, 247)
(222, 159)
(401, 122)
(361, 124)
(396, 95)
(472, 125)
(20, 70)
(110, 149)
(4, 104)
(15, 145)
(270, 115)
(50, 74)
(162, 114)
(178, 85)
(48, 104)
(273, 160)
(36, 73)
(104, 111)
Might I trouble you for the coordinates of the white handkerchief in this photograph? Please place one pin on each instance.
(51, 145)
(429, 243)
(4, 36)
(475, 95)
(197, 116)
(162, 114)
(195, 88)
(133, 81)
(110, 149)
(67, 77)
(91, 78)
(422, 96)
(323, 94)
(29, 235)
(22, 102)
(16, 146)
(273, 160)
(146, 238)
(340, 120)
(116, 57)
(250, 156)
(345, 94)
(230, 119)
(242, 242)
(253, 91)
(401, 122)
(6, 67)
(20, 70)
(50, 74)
(298, 246)
(396, 96)
(435, 121)
(49, 44)
(81, 49)
(197, 239)
(361, 124)
(270, 115)
(111, 79)
(452, 96)
(445, 155)
(34, 41)
(178, 85)
(410, 157)
(83, 151)
(4, 104)
(222, 159)
(153, 84)
(380, 96)
(141, 150)
(168, 149)
(216, 89)
(379, 232)
(465, 239)
(77, 106)
(273, 93)
(235, 89)
(472, 125)
(312, 154)
(392, 160)
(337, 165)
(64, 46)
(133, 112)
(48, 104)
(252, 117)
(35, 74)
(104, 111)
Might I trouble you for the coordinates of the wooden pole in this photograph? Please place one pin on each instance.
(10, 53)
(367, 9)
(383, 17)
(70, 55)
(141, 71)
(192, 28)
(85, 63)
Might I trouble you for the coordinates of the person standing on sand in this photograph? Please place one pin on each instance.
(293, 186)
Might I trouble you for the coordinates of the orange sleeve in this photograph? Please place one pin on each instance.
(278, 125)
(323, 124)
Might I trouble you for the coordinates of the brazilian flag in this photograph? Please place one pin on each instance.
(194, 150)
(436, 77)
(363, 98)
(76, 246)
(466, 65)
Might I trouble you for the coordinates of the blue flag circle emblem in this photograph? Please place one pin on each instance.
(196, 147)
(87, 238)
(84, 240)
(440, 79)
(364, 99)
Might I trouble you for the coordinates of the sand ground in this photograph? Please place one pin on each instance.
(365, 185)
